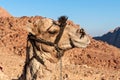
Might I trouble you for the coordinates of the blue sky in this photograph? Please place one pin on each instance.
(95, 16)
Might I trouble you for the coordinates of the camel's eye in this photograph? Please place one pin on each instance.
(53, 32)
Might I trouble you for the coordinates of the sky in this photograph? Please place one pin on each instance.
(96, 16)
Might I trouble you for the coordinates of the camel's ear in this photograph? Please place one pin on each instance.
(44, 24)
(29, 28)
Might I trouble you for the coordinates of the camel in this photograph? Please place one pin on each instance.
(47, 41)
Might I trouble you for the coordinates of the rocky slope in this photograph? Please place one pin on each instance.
(99, 61)
(112, 37)
(4, 13)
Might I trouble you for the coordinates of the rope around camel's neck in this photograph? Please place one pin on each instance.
(33, 40)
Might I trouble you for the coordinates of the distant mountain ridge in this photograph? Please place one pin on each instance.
(112, 37)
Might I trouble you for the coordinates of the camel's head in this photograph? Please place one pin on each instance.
(48, 29)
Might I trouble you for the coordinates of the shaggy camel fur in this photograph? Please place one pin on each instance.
(40, 56)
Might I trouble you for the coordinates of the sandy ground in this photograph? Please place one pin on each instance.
(11, 64)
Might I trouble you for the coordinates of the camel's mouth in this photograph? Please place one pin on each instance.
(75, 42)
(83, 42)
(71, 43)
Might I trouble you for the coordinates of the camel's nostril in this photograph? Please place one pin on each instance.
(82, 33)
(82, 30)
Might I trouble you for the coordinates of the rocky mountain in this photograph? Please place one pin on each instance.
(112, 37)
(4, 13)
(99, 61)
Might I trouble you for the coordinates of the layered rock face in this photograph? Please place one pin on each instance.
(112, 37)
